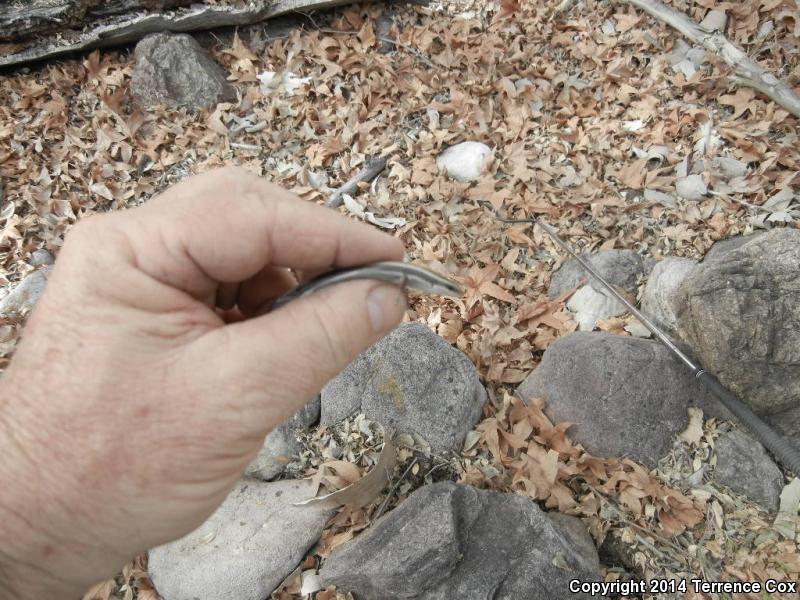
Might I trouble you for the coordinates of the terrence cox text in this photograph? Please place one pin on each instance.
(633, 587)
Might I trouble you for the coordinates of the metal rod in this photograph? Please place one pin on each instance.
(783, 450)
(634, 311)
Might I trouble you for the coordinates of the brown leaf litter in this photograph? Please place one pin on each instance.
(591, 128)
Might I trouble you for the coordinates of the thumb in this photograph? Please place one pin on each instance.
(282, 359)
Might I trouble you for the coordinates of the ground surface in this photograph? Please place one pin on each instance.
(572, 143)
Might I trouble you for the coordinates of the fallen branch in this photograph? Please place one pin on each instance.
(109, 29)
(371, 169)
(746, 71)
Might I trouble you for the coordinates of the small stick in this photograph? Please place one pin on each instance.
(394, 489)
(745, 70)
(371, 169)
(251, 147)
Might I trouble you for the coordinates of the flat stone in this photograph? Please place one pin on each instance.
(622, 268)
(454, 541)
(658, 300)
(465, 161)
(281, 445)
(413, 381)
(174, 70)
(740, 314)
(25, 294)
(245, 550)
(744, 466)
(625, 396)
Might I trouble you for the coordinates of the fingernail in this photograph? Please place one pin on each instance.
(385, 305)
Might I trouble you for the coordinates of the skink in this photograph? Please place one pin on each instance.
(399, 273)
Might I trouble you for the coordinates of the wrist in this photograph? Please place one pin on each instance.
(26, 553)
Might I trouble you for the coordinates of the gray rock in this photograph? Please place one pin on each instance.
(723, 246)
(786, 422)
(41, 257)
(626, 396)
(744, 466)
(24, 295)
(245, 549)
(658, 300)
(465, 161)
(414, 381)
(281, 445)
(740, 314)
(174, 70)
(278, 450)
(454, 541)
(619, 267)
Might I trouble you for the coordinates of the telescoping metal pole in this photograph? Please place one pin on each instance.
(787, 454)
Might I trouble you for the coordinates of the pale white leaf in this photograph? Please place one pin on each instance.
(636, 329)
(715, 20)
(691, 187)
(660, 198)
(589, 306)
(780, 201)
(730, 167)
(780, 217)
(310, 583)
(686, 67)
(352, 206)
(101, 189)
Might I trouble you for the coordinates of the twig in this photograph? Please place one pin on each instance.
(390, 495)
(251, 147)
(745, 70)
(371, 169)
(790, 212)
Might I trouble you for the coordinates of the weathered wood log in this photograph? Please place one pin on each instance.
(31, 31)
(19, 21)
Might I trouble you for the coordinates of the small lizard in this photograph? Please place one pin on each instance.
(398, 273)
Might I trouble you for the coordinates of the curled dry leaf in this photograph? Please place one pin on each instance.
(365, 489)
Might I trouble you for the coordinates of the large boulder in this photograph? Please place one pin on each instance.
(281, 445)
(658, 299)
(454, 541)
(175, 71)
(625, 396)
(245, 549)
(740, 313)
(412, 381)
(744, 466)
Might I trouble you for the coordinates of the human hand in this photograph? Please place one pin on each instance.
(133, 404)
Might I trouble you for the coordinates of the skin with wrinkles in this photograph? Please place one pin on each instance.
(145, 383)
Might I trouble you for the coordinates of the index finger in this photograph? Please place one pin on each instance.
(229, 224)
